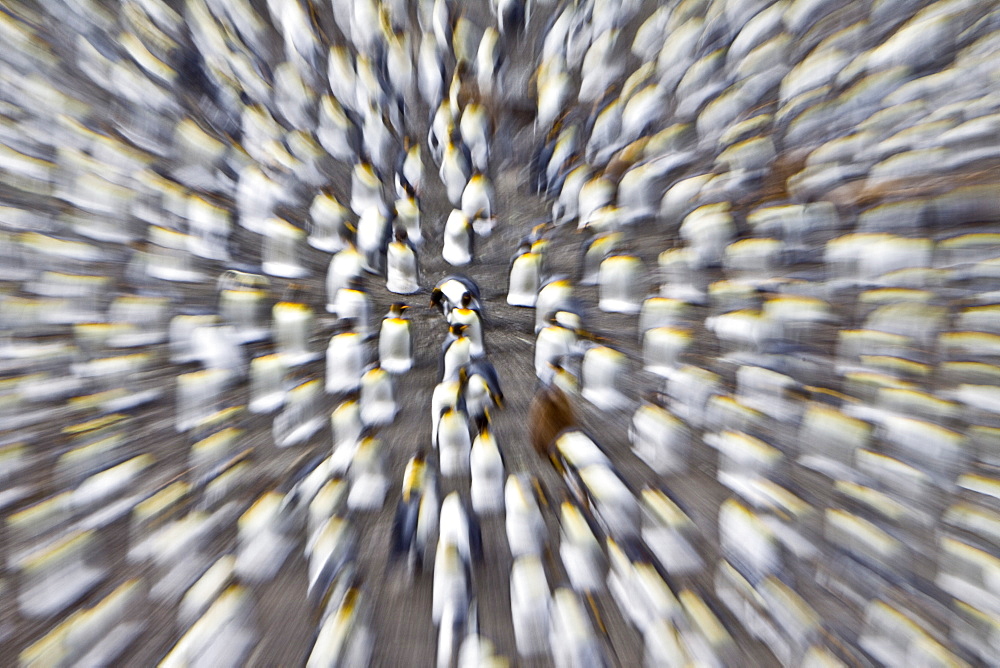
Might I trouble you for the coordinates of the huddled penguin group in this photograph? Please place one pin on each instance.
(734, 264)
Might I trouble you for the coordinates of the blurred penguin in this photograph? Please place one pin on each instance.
(454, 443)
(475, 130)
(486, 466)
(455, 167)
(416, 483)
(459, 239)
(482, 389)
(410, 170)
(395, 341)
(526, 532)
(402, 268)
(477, 204)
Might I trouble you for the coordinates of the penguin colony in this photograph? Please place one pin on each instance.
(748, 336)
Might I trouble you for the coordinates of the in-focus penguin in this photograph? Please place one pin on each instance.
(458, 248)
(454, 443)
(395, 341)
(402, 269)
(486, 466)
(447, 294)
(468, 316)
(456, 352)
(477, 204)
(455, 168)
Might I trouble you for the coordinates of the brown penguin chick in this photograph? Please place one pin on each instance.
(549, 415)
(624, 159)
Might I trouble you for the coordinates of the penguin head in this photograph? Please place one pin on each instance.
(466, 299)
(396, 310)
(458, 329)
(483, 423)
(437, 297)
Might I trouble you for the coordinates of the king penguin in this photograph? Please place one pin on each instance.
(456, 352)
(454, 443)
(468, 316)
(526, 533)
(366, 188)
(458, 245)
(395, 341)
(475, 130)
(455, 167)
(477, 204)
(408, 215)
(447, 393)
(402, 269)
(406, 520)
(448, 293)
(410, 170)
(482, 389)
(486, 466)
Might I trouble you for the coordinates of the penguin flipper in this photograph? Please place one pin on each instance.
(404, 527)
(475, 538)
